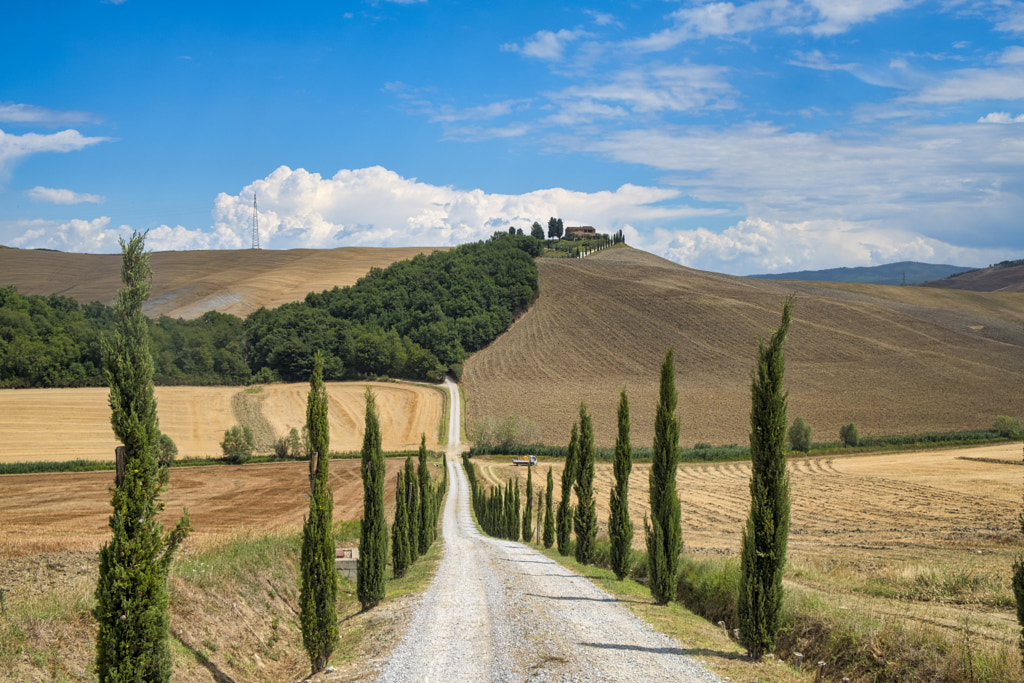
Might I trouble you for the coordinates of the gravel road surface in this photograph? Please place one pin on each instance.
(500, 611)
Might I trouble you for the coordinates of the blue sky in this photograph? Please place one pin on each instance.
(740, 137)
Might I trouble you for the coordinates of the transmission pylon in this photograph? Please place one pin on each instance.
(255, 224)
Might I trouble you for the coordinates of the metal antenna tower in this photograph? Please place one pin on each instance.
(255, 224)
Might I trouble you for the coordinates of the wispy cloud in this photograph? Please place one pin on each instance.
(965, 85)
(14, 147)
(930, 179)
(11, 112)
(726, 19)
(546, 45)
(56, 196)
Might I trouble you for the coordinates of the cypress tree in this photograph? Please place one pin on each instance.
(620, 527)
(549, 517)
(132, 642)
(318, 589)
(586, 507)
(412, 498)
(564, 517)
(1018, 590)
(426, 504)
(517, 520)
(766, 535)
(373, 532)
(528, 512)
(510, 512)
(664, 534)
(400, 557)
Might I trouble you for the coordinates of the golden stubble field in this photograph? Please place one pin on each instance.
(893, 360)
(69, 424)
(893, 519)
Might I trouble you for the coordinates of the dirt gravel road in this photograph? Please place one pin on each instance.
(500, 611)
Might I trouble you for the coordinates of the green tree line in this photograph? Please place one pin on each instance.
(415, 319)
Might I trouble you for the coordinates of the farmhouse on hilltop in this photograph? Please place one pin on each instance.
(579, 232)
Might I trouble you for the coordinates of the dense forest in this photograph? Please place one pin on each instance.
(416, 319)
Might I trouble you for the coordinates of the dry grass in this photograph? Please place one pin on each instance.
(893, 360)
(69, 424)
(187, 284)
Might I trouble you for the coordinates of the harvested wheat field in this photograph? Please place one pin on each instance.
(887, 533)
(67, 424)
(893, 360)
(187, 284)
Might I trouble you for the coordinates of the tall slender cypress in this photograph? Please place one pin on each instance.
(563, 519)
(585, 519)
(549, 517)
(373, 532)
(620, 527)
(1017, 582)
(664, 534)
(528, 512)
(132, 642)
(766, 535)
(318, 589)
(426, 503)
(400, 556)
(412, 500)
(517, 520)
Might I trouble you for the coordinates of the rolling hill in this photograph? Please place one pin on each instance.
(902, 273)
(187, 284)
(890, 359)
(1002, 277)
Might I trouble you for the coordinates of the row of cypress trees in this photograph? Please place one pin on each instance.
(417, 508)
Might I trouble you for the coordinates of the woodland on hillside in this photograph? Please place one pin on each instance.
(415, 319)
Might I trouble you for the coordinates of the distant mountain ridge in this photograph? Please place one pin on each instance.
(901, 273)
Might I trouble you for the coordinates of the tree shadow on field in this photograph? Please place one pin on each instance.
(218, 675)
(679, 651)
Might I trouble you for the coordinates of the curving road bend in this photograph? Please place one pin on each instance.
(500, 611)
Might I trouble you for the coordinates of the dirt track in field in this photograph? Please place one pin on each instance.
(69, 424)
(893, 360)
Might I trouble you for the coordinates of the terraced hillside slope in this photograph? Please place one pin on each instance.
(187, 284)
(890, 359)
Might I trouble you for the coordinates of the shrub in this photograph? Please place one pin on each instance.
(800, 435)
(1008, 427)
(848, 435)
(281, 447)
(238, 444)
(710, 588)
(505, 433)
(166, 450)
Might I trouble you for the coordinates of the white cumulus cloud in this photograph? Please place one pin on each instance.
(378, 207)
(756, 245)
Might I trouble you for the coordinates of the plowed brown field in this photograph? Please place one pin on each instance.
(187, 284)
(67, 424)
(890, 359)
(52, 513)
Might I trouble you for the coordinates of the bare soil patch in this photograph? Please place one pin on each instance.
(893, 360)
(69, 424)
